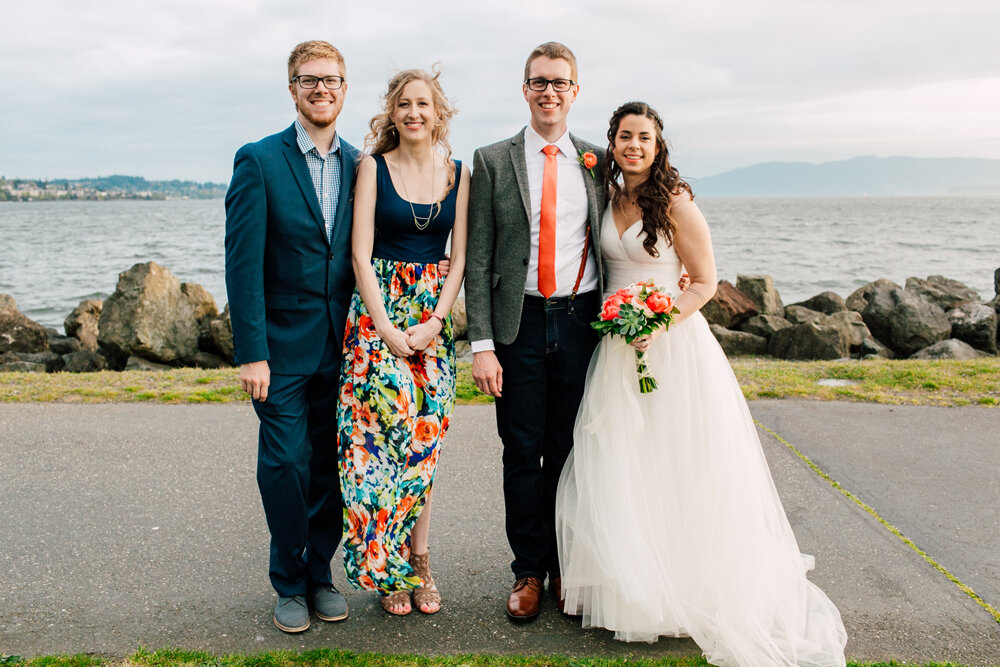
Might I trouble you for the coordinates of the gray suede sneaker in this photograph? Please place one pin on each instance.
(328, 604)
(292, 614)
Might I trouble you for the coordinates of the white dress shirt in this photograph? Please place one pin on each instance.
(571, 214)
(571, 219)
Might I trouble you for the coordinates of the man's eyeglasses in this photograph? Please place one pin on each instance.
(539, 84)
(331, 82)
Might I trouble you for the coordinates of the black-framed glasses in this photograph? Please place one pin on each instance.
(309, 82)
(538, 84)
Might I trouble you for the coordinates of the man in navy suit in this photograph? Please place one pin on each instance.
(289, 281)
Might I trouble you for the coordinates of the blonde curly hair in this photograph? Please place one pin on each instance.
(383, 136)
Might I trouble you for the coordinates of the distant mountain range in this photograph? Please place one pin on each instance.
(857, 177)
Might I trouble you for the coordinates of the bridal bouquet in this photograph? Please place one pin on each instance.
(634, 311)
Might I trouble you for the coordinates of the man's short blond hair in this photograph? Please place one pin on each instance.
(313, 50)
(555, 51)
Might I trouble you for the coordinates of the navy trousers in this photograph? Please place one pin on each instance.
(544, 370)
(298, 475)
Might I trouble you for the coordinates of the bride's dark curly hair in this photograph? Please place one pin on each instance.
(653, 194)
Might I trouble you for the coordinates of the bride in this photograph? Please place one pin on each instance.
(667, 518)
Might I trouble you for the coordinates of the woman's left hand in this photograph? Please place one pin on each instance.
(419, 336)
(642, 343)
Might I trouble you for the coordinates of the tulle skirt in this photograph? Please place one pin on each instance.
(668, 519)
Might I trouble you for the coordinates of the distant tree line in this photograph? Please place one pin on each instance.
(116, 186)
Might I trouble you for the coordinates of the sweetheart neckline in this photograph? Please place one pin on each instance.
(622, 235)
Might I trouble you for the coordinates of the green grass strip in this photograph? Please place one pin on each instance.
(891, 528)
(336, 658)
(900, 382)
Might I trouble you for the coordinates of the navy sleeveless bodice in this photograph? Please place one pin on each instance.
(396, 236)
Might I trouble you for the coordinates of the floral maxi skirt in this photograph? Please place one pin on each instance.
(392, 415)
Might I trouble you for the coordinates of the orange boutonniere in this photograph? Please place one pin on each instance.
(589, 161)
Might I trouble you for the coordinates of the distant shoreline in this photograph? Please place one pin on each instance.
(102, 188)
(995, 195)
(37, 200)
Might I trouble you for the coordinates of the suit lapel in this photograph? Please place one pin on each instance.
(595, 211)
(521, 171)
(590, 183)
(297, 163)
(348, 159)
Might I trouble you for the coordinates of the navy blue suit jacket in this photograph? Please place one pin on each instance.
(289, 289)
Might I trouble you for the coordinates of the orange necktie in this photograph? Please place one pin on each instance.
(547, 226)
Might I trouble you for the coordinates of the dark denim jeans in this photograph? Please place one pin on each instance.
(543, 376)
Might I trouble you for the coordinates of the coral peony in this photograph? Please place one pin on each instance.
(659, 303)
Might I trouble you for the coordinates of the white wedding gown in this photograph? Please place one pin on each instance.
(667, 518)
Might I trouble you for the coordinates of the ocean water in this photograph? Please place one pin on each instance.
(54, 254)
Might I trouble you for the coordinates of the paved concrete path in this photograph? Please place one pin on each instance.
(140, 525)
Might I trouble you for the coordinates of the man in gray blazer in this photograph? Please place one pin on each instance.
(533, 285)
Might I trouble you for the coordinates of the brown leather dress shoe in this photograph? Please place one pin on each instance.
(525, 599)
(555, 586)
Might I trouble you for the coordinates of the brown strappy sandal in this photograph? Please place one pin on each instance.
(396, 599)
(427, 593)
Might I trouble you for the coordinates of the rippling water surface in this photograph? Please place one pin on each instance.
(810, 245)
(53, 254)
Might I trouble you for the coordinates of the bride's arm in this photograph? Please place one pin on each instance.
(693, 244)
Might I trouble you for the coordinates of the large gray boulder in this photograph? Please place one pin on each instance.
(951, 348)
(827, 303)
(222, 335)
(205, 311)
(13, 364)
(18, 333)
(728, 307)
(901, 319)
(48, 361)
(62, 344)
(760, 289)
(204, 359)
(852, 326)
(141, 364)
(463, 351)
(82, 323)
(871, 349)
(976, 324)
(763, 325)
(944, 292)
(84, 361)
(148, 316)
(996, 299)
(803, 342)
(858, 299)
(739, 343)
(459, 319)
(802, 315)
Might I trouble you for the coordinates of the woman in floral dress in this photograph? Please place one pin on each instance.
(398, 378)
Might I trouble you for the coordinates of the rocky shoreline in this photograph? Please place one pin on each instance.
(932, 318)
(153, 321)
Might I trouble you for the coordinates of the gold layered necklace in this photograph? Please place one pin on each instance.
(422, 221)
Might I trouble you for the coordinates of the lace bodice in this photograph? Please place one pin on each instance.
(627, 262)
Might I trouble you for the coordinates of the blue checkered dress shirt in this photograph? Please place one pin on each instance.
(325, 172)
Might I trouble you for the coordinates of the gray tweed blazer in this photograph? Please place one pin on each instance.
(496, 268)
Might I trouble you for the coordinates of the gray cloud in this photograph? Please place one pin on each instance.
(170, 90)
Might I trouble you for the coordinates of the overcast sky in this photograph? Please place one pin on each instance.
(171, 89)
